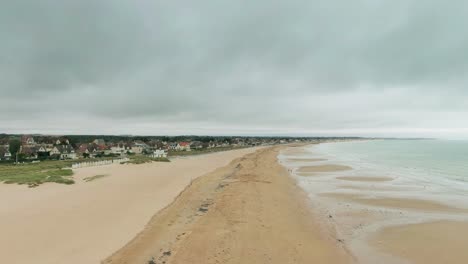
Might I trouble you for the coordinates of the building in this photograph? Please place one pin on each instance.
(159, 153)
(64, 152)
(138, 147)
(29, 152)
(183, 146)
(87, 150)
(5, 153)
(196, 145)
(120, 148)
(27, 140)
(173, 145)
(43, 151)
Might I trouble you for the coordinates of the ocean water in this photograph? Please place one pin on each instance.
(441, 165)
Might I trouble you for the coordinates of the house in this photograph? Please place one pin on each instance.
(87, 150)
(27, 140)
(43, 151)
(119, 148)
(196, 145)
(139, 146)
(183, 146)
(63, 152)
(173, 145)
(5, 153)
(159, 153)
(29, 152)
(62, 141)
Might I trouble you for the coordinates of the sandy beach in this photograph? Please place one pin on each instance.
(250, 211)
(88, 221)
(242, 206)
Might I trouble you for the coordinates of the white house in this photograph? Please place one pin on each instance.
(138, 147)
(65, 152)
(159, 153)
(119, 148)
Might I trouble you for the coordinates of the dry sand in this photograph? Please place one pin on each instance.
(248, 212)
(86, 222)
(427, 243)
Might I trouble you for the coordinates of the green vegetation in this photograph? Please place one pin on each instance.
(34, 174)
(173, 153)
(15, 145)
(95, 177)
(140, 159)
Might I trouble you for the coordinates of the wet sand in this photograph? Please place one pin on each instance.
(323, 168)
(396, 203)
(86, 222)
(427, 243)
(305, 160)
(365, 179)
(250, 211)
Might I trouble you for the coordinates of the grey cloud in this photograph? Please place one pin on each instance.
(310, 65)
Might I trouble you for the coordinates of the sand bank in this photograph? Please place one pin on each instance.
(365, 179)
(323, 168)
(250, 211)
(86, 222)
(396, 203)
(305, 160)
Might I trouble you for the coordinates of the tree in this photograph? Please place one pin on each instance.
(15, 146)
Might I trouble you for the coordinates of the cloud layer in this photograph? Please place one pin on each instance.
(241, 67)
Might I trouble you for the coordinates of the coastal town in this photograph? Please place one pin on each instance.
(23, 148)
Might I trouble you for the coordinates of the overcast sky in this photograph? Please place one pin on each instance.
(291, 67)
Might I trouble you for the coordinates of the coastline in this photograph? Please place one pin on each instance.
(250, 211)
(380, 217)
(87, 221)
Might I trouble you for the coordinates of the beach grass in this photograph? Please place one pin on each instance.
(174, 153)
(140, 159)
(34, 174)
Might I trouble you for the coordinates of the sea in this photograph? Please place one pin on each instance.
(434, 169)
(421, 170)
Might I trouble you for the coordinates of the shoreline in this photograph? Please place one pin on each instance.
(250, 211)
(87, 221)
(378, 215)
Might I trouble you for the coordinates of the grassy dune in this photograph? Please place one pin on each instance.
(34, 174)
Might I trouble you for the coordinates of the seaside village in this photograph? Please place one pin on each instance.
(60, 148)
